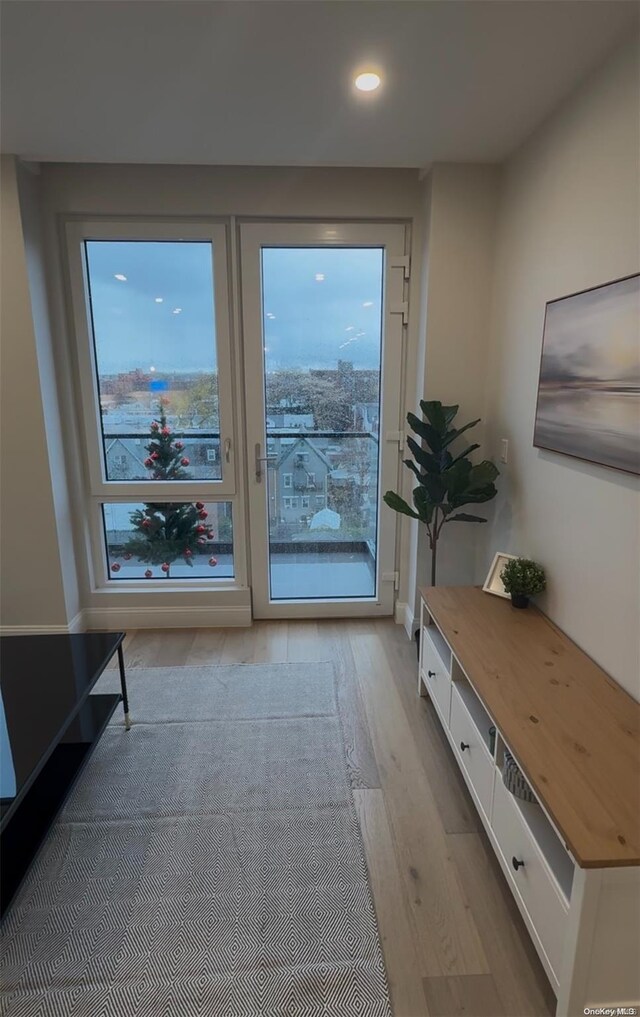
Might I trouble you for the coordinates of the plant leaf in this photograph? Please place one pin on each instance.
(424, 504)
(465, 517)
(483, 474)
(434, 412)
(452, 435)
(475, 497)
(463, 455)
(412, 466)
(436, 487)
(426, 432)
(429, 462)
(398, 504)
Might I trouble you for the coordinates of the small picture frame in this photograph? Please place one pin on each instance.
(493, 582)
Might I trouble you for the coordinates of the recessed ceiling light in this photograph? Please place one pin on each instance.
(368, 303)
(368, 81)
(120, 277)
(177, 310)
(159, 300)
(319, 276)
(152, 368)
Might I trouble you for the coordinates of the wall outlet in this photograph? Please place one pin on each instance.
(504, 450)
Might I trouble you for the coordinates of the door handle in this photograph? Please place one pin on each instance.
(259, 460)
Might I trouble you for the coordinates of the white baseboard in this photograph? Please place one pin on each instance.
(118, 618)
(75, 625)
(33, 630)
(404, 616)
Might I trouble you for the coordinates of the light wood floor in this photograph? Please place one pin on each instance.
(453, 940)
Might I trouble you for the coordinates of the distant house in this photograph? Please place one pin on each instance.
(125, 458)
(289, 421)
(299, 486)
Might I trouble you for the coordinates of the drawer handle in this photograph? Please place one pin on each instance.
(463, 746)
(516, 863)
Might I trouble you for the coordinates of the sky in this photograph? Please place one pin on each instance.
(321, 305)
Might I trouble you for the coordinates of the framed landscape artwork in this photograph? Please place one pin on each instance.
(589, 388)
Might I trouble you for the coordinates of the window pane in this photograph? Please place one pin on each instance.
(322, 322)
(152, 308)
(177, 540)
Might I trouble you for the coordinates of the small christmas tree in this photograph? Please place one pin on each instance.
(165, 532)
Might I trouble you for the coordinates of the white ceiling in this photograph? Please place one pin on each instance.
(269, 83)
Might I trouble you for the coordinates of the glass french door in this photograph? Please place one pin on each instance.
(322, 310)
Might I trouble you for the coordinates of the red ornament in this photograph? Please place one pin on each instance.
(165, 566)
(146, 523)
(210, 534)
(179, 445)
(184, 461)
(200, 528)
(128, 556)
(188, 553)
(165, 430)
(153, 456)
(213, 562)
(148, 462)
(148, 574)
(154, 427)
(199, 504)
(203, 514)
(115, 567)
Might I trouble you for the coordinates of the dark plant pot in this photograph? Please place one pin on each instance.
(519, 600)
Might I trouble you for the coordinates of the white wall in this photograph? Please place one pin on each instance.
(32, 584)
(32, 230)
(569, 219)
(454, 322)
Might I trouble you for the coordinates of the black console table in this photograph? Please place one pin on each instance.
(49, 726)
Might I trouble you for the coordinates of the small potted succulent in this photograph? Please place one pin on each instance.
(523, 578)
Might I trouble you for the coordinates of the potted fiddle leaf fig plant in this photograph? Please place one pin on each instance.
(446, 480)
(523, 578)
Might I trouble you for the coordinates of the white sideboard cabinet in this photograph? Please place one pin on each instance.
(508, 680)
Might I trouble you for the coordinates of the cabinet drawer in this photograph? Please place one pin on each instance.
(474, 758)
(533, 880)
(435, 676)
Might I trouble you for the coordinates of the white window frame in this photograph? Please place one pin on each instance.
(304, 498)
(287, 480)
(101, 491)
(286, 502)
(311, 480)
(213, 233)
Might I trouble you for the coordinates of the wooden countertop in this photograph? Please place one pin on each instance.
(572, 728)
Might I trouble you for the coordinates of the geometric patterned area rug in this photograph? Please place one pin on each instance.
(209, 862)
